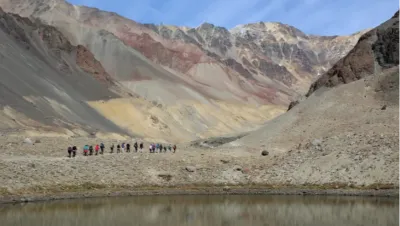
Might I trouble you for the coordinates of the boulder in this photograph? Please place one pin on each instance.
(190, 168)
(264, 153)
(28, 141)
(237, 168)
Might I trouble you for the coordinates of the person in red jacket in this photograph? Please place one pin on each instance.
(97, 148)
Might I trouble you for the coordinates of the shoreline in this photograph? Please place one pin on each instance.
(226, 190)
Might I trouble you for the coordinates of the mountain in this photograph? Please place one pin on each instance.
(262, 63)
(376, 51)
(44, 80)
(187, 83)
(346, 131)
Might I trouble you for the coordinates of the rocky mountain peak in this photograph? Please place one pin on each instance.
(268, 54)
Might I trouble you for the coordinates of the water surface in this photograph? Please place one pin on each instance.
(213, 210)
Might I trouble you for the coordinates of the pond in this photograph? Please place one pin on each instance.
(211, 210)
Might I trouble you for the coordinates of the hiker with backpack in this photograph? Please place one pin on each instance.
(96, 149)
(102, 148)
(141, 147)
(128, 147)
(90, 150)
(74, 150)
(135, 145)
(85, 150)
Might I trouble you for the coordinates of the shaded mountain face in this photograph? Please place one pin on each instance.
(45, 80)
(376, 51)
(264, 63)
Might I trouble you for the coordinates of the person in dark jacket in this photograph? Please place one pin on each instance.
(74, 150)
(118, 148)
(141, 146)
(135, 145)
(112, 148)
(128, 147)
(90, 150)
(102, 148)
(69, 151)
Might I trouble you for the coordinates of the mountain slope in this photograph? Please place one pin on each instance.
(266, 63)
(180, 84)
(376, 51)
(329, 111)
(44, 78)
(344, 134)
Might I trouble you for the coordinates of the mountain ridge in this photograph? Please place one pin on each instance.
(220, 50)
(182, 83)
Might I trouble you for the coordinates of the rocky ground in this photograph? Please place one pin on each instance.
(43, 168)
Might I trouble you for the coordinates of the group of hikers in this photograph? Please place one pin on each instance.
(99, 149)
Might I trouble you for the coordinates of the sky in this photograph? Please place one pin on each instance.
(318, 17)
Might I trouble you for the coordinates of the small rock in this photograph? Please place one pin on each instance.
(37, 141)
(264, 153)
(28, 141)
(384, 107)
(224, 161)
(32, 165)
(316, 142)
(226, 188)
(190, 168)
(238, 168)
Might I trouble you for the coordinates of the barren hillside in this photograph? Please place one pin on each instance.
(348, 132)
(44, 80)
(182, 83)
(266, 63)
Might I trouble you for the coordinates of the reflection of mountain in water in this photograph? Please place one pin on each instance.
(207, 210)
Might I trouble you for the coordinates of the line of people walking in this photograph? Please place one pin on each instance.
(99, 149)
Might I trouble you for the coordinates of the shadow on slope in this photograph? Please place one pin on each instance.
(40, 78)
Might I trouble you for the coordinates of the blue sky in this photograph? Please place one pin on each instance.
(321, 17)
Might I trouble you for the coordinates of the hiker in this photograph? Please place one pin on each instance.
(123, 147)
(174, 147)
(161, 148)
(154, 147)
(165, 149)
(90, 150)
(141, 146)
(85, 150)
(128, 147)
(74, 149)
(102, 148)
(112, 148)
(157, 147)
(169, 147)
(96, 149)
(69, 149)
(150, 148)
(118, 148)
(135, 145)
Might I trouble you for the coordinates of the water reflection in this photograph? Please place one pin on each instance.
(206, 210)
